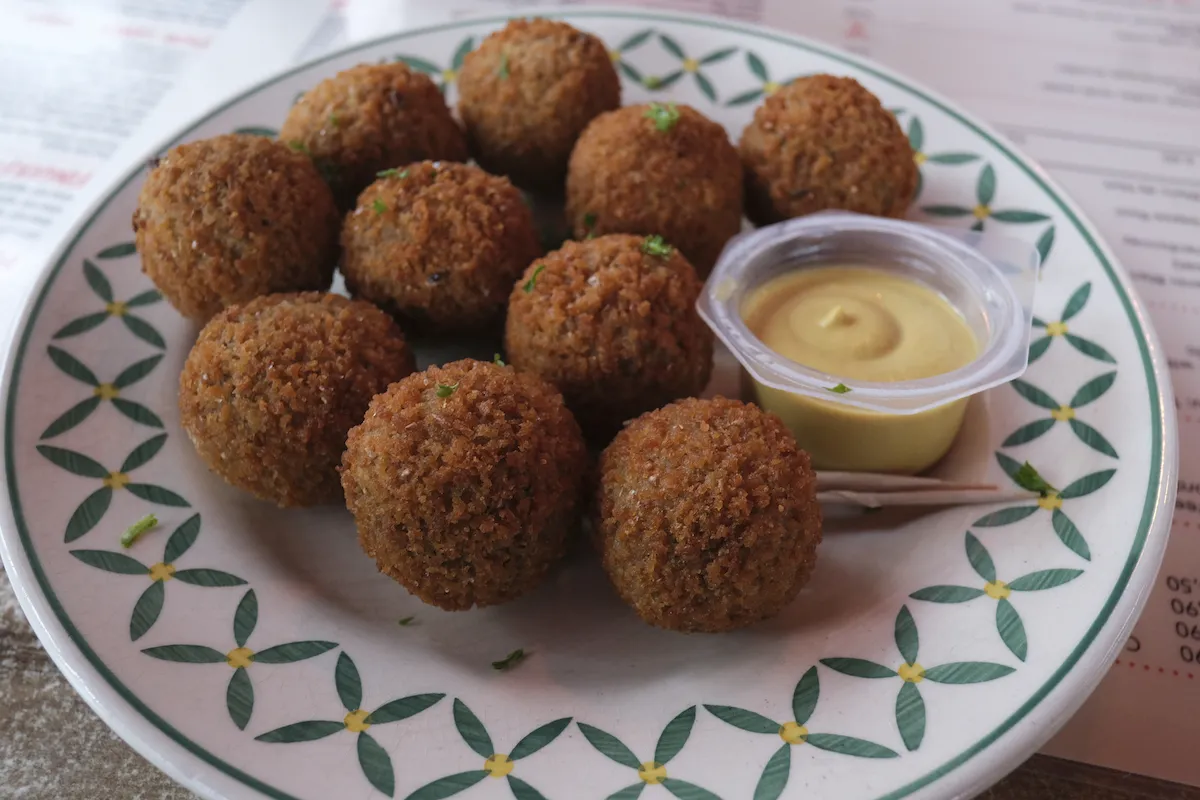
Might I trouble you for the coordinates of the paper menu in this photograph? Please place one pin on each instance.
(87, 89)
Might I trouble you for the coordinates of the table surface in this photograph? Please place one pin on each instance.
(53, 746)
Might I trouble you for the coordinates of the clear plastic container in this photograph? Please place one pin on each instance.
(901, 426)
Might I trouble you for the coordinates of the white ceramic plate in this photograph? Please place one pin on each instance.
(250, 651)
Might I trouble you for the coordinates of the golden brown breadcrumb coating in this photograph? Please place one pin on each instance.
(224, 220)
(825, 142)
(370, 118)
(613, 327)
(706, 515)
(439, 244)
(271, 387)
(527, 92)
(685, 184)
(464, 481)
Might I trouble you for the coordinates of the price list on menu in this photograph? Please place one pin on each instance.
(1106, 96)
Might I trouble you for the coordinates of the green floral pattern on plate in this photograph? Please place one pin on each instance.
(376, 764)
(714, 73)
(1008, 621)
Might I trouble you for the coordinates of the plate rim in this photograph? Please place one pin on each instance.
(173, 752)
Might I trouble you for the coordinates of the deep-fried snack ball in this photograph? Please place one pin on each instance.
(527, 92)
(464, 481)
(657, 169)
(224, 220)
(439, 244)
(613, 327)
(271, 388)
(370, 118)
(825, 142)
(707, 516)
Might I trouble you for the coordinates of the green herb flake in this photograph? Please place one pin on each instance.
(379, 206)
(657, 246)
(529, 284)
(446, 389)
(503, 71)
(135, 531)
(333, 121)
(841, 388)
(404, 623)
(589, 220)
(299, 147)
(509, 661)
(498, 361)
(663, 115)
(1028, 478)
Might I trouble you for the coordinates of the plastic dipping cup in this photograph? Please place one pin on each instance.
(901, 426)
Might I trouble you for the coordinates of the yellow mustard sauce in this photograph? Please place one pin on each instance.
(868, 325)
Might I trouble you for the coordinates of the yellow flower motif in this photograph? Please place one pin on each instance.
(449, 75)
(1063, 413)
(116, 308)
(981, 211)
(116, 480)
(614, 56)
(919, 157)
(106, 391)
(1051, 502)
(162, 572)
(997, 590)
(690, 65)
(653, 772)
(1056, 329)
(771, 87)
(239, 657)
(911, 673)
(793, 733)
(356, 721)
(498, 765)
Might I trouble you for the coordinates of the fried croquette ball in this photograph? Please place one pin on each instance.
(223, 220)
(464, 481)
(707, 518)
(371, 118)
(527, 92)
(613, 326)
(657, 169)
(439, 244)
(825, 142)
(270, 389)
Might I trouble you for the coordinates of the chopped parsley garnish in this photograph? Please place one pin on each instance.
(392, 173)
(589, 220)
(446, 389)
(657, 246)
(404, 623)
(841, 388)
(664, 115)
(299, 147)
(135, 531)
(529, 284)
(503, 71)
(1028, 478)
(498, 361)
(509, 661)
(333, 121)
(379, 206)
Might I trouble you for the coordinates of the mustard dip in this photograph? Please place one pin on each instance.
(868, 325)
